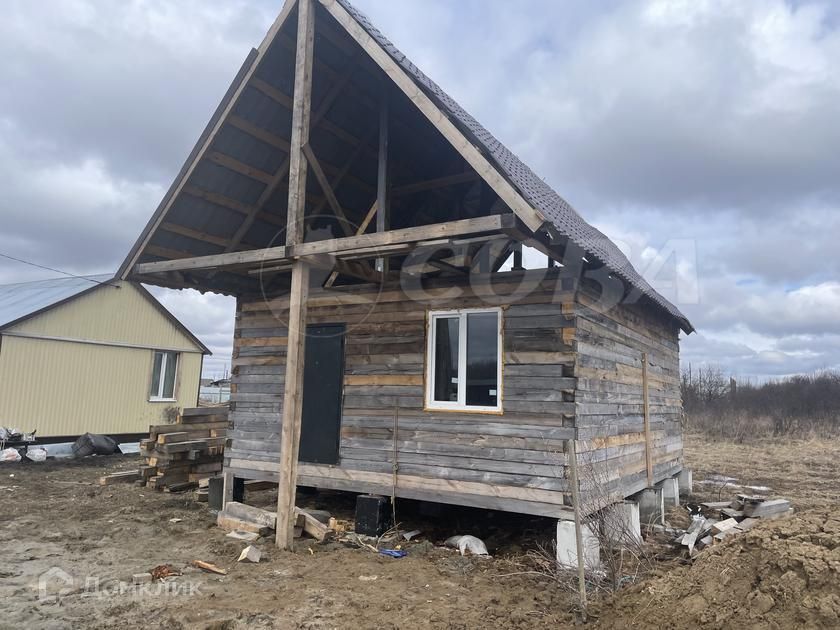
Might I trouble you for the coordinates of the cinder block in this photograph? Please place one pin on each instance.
(622, 524)
(651, 505)
(685, 479)
(567, 546)
(670, 491)
(141, 578)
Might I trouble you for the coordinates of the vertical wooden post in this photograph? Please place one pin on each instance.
(293, 385)
(517, 258)
(571, 453)
(383, 216)
(646, 400)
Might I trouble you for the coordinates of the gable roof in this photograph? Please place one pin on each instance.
(535, 191)
(22, 301)
(528, 192)
(26, 299)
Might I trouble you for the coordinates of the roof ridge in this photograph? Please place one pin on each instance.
(530, 186)
(107, 276)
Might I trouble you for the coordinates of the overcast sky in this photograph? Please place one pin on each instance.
(704, 132)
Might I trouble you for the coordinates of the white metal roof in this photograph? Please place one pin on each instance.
(18, 301)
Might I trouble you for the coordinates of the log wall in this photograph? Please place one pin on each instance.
(610, 345)
(512, 461)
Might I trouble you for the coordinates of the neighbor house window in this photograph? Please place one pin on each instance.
(464, 360)
(164, 368)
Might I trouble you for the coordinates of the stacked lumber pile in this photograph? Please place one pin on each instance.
(241, 520)
(182, 455)
(718, 520)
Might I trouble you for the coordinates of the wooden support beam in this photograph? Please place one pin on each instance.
(259, 133)
(445, 266)
(352, 268)
(218, 199)
(517, 257)
(383, 217)
(360, 230)
(342, 173)
(511, 197)
(235, 165)
(434, 184)
(275, 94)
(648, 438)
(349, 245)
(327, 189)
(174, 228)
(208, 136)
(520, 233)
(295, 351)
(283, 171)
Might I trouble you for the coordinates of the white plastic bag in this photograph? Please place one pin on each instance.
(468, 543)
(9, 455)
(36, 454)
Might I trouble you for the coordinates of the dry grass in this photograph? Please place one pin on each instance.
(805, 471)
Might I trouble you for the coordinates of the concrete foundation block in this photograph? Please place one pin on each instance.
(622, 524)
(686, 481)
(670, 491)
(651, 505)
(567, 546)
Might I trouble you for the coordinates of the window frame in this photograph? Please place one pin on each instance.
(164, 366)
(461, 405)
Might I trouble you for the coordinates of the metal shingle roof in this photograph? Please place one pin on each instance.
(18, 301)
(534, 190)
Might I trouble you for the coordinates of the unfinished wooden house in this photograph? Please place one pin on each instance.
(387, 338)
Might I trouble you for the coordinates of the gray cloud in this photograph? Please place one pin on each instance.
(709, 127)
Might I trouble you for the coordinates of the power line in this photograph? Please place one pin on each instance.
(66, 273)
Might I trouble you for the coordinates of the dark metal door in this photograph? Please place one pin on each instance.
(323, 377)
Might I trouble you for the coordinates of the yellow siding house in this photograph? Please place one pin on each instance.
(92, 354)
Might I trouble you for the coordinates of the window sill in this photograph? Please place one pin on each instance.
(489, 411)
(169, 400)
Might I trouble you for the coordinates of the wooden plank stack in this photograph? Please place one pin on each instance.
(179, 456)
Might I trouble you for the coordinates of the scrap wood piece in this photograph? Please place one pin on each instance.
(722, 526)
(252, 514)
(766, 508)
(230, 523)
(313, 526)
(129, 476)
(209, 567)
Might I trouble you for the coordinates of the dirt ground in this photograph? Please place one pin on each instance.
(68, 544)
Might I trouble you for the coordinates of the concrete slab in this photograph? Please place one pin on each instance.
(651, 505)
(622, 524)
(670, 491)
(567, 546)
(685, 479)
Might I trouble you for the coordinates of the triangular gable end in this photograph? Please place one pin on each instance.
(231, 195)
(98, 315)
(350, 70)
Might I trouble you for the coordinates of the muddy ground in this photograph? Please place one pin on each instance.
(61, 534)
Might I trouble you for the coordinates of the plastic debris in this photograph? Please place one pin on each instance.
(9, 455)
(36, 454)
(411, 534)
(393, 553)
(93, 444)
(468, 543)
